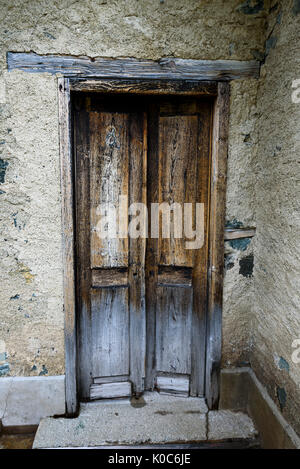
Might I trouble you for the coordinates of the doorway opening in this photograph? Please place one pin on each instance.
(143, 302)
(141, 289)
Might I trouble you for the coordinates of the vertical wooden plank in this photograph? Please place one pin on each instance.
(137, 194)
(200, 270)
(152, 246)
(66, 172)
(217, 216)
(82, 195)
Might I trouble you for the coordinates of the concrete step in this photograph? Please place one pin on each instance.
(154, 419)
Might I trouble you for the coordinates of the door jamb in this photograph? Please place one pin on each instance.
(68, 253)
(221, 93)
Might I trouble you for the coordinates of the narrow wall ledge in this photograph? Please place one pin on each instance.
(242, 391)
(25, 400)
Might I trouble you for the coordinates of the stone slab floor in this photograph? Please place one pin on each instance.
(154, 419)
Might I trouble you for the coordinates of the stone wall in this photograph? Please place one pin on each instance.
(30, 264)
(276, 302)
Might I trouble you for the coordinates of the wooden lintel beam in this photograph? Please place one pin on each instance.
(166, 68)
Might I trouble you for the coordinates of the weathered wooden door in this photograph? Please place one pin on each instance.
(141, 298)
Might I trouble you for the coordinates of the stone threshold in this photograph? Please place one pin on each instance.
(156, 419)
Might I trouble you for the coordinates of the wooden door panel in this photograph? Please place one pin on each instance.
(109, 147)
(173, 329)
(110, 269)
(110, 310)
(177, 151)
(110, 332)
(177, 179)
(141, 301)
(180, 154)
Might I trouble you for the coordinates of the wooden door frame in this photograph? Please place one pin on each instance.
(220, 92)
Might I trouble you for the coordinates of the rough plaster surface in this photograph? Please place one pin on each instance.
(276, 304)
(238, 289)
(30, 262)
(136, 28)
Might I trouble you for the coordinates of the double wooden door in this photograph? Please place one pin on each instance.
(142, 296)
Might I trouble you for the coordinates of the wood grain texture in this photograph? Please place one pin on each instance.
(113, 268)
(110, 390)
(174, 276)
(110, 379)
(137, 251)
(179, 154)
(142, 174)
(239, 233)
(117, 277)
(152, 246)
(177, 180)
(145, 87)
(168, 68)
(173, 329)
(110, 332)
(82, 215)
(109, 179)
(66, 172)
(200, 271)
(217, 217)
(178, 385)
